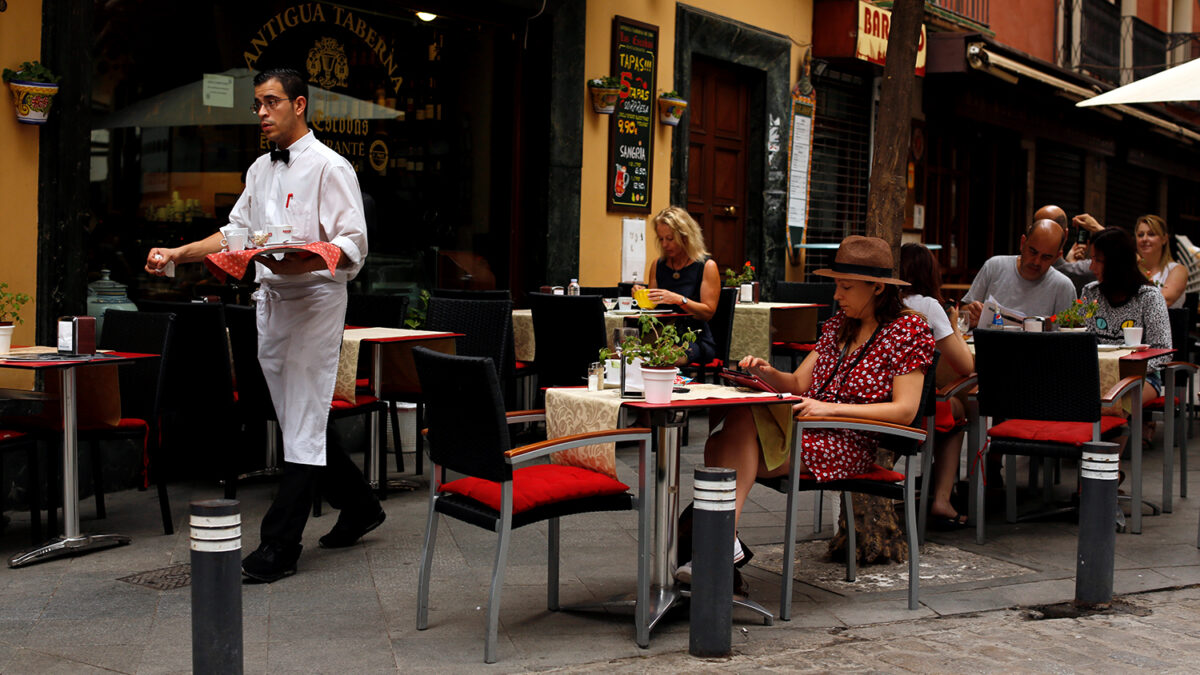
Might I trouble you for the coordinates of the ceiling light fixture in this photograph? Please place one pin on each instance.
(426, 16)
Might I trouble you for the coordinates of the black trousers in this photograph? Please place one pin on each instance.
(340, 481)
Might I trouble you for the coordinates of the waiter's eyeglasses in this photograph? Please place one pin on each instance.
(270, 102)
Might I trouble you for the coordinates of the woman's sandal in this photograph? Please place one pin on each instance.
(947, 523)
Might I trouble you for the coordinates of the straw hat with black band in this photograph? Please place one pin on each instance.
(863, 259)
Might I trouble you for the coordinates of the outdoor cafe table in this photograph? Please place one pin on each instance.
(576, 410)
(71, 541)
(757, 324)
(392, 372)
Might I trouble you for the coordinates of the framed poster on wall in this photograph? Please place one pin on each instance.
(634, 54)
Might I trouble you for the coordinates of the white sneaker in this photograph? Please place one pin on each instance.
(738, 553)
(684, 573)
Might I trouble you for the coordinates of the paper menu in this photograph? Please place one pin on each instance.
(633, 249)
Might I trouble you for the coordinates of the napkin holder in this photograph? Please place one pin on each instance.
(625, 391)
(76, 335)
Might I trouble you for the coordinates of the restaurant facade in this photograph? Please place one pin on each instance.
(480, 158)
(484, 165)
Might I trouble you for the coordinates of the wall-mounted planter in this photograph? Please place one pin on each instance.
(604, 99)
(32, 100)
(670, 110)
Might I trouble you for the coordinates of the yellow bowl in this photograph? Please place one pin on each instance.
(642, 296)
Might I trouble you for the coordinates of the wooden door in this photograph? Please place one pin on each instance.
(718, 133)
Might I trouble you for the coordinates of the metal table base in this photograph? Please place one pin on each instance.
(72, 541)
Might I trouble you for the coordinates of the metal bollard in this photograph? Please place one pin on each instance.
(1098, 477)
(715, 491)
(216, 586)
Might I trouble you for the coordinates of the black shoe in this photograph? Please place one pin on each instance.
(271, 562)
(348, 530)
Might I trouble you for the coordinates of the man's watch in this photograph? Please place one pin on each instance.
(684, 300)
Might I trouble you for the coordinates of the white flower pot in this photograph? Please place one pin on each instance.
(659, 384)
(5, 338)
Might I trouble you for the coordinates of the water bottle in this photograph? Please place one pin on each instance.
(573, 287)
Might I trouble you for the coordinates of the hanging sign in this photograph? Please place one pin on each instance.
(804, 106)
(874, 26)
(635, 48)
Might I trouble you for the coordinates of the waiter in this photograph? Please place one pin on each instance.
(301, 309)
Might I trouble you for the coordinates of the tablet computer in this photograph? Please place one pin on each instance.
(744, 379)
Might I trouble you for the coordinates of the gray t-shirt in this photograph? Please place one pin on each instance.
(999, 278)
(1079, 272)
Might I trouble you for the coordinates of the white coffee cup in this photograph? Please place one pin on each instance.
(1133, 335)
(625, 303)
(235, 240)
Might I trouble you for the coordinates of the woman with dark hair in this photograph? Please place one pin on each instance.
(869, 362)
(1125, 298)
(923, 295)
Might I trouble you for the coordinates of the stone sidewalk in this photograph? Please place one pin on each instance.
(353, 610)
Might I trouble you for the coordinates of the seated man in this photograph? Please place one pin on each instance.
(1027, 282)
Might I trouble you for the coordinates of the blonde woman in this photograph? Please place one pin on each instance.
(685, 278)
(1154, 249)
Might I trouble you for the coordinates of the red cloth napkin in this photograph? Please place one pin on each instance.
(234, 263)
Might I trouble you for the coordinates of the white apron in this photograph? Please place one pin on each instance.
(299, 337)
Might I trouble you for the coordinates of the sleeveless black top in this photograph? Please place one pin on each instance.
(688, 285)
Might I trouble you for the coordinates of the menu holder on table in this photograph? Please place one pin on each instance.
(748, 380)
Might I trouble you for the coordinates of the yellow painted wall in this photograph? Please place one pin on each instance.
(20, 40)
(599, 230)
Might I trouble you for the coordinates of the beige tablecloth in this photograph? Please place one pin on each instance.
(577, 410)
(352, 339)
(756, 325)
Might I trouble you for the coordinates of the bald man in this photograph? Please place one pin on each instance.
(1028, 282)
(1076, 264)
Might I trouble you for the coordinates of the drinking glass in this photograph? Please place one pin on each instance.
(964, 322)
(609, 303)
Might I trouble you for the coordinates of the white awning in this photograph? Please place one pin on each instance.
(1181, 83)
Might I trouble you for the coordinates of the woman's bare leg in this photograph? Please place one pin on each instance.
(736, 447)
(945, 468)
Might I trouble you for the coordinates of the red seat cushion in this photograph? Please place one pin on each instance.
(877, 473)
(522, 365)
(362, 383)
(1157, 403)
(539, 485)
(1073, 433)
(795, 346)
(363, 399)
(10, 435)
(943, 418)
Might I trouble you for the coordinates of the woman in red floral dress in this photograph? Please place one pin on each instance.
(868, 363)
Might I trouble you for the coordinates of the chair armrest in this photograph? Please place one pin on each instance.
(523, 416)
(1180, 365)
(543, 448)
(1121, 388)
(859, 424)
(964, 383)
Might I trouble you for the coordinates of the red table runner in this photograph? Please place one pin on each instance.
(234, 263)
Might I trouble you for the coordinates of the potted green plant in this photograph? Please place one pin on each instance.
(10, 313)
(416, 314)
(742, 278)
(33, 88)
(658, 348)
(671, 106)
(605, 92)
(1074, 318)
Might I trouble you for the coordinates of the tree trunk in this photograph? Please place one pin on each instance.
(880, 535)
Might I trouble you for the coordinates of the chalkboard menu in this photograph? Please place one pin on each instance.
(635, 48)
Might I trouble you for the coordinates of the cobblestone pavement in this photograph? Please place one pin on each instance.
(1161, 635)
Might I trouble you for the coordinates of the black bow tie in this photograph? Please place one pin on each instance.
(280, 155)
